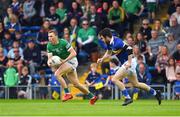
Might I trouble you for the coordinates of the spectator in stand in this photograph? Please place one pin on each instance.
(103, 12)
(3, 59)
(42, 10)
(54, 19)
(3, 66)
(86, 7)
(25, 80)
(171, 71)
(177, 13)
(94, 18)
(43, 82)
(151, 5)
(116, 18)
(130, 41)
(43, 35)
(128, 34)
(143, 73)
(66, 35)
(29, 12)
(131, 8)
(141, 42)
(18, 60)
(154, 45)
(146, 29)
(13, 25)
(73, 29)
(87, 38)
(11, 51)
(20, 38)
(134, 60)
(2, 30)
(171, 43)
(176, 54)
(62, 12)
(6, 18)
(159, 28)
(172, 7)
(4, 4)
(92, 79)
(7, 41)
(32, 56)
(4, 50)
(15, 5)
(161, 64)
(140, 59)
(75, 11)
(11, 79)
(174, 28)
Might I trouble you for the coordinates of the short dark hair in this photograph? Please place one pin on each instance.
(106, 32)
(53, 31)
(115, 61)
(140, 57)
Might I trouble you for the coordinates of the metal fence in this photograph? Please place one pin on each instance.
(29, 92)
(47, 92)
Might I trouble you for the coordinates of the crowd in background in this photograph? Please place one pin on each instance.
(24, 26)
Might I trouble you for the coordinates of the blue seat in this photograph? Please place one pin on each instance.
(26, 35)
(35, 28)
(36, 76)
(30, 28)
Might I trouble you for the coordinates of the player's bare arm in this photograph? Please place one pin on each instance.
(49, 56)
(71, 55)
(106, 55)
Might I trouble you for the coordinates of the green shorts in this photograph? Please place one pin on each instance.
(151, 7)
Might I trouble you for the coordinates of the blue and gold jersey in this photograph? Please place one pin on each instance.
(116, 45)
(120, 49)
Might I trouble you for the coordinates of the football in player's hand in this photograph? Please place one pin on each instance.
(54, 61)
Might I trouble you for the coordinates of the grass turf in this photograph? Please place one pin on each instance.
(82, 108)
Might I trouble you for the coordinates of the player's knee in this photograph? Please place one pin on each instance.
(56, 74)
(114, 80)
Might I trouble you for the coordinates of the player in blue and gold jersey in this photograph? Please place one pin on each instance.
(116, 46)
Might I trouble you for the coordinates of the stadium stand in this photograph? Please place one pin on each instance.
(98, 14)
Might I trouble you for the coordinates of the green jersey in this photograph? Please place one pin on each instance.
(131, 6)
(62, 13)
(84, 34)
(60, 49)
(11, 77)
(116, 14)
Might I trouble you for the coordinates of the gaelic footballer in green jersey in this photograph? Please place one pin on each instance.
(63, 49)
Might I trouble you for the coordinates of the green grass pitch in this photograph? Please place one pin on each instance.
(82, 108)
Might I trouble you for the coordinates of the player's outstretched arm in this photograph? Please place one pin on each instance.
(106, 55)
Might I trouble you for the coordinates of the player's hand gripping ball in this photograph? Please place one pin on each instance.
(54, 61)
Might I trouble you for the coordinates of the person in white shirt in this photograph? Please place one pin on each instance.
(177, 13)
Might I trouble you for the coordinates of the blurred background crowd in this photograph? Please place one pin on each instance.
(24, 26)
